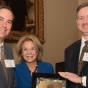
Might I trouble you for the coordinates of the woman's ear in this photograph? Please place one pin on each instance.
(22, 54)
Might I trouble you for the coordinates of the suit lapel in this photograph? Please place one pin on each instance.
(27, 71)
(76, 55)
(9, 72)
(84, 64)
(2, 75)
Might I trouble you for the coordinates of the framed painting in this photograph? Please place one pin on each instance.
(33, 22)
(45, 80)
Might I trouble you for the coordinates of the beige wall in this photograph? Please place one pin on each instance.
(60, 29)
(81, 1)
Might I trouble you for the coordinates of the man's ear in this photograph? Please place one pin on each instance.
(76, 21)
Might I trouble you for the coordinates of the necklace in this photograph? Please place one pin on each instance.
(36, 68)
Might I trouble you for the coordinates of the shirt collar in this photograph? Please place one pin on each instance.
(1, 44)
(83, 41)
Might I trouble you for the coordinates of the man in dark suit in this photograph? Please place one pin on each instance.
(73, 53)
(6, 18)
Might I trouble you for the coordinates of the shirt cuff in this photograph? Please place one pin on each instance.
(84, 81)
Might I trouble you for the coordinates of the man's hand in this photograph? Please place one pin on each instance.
(71, 77)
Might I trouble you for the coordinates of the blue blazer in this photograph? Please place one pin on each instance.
(24, 78)
(71, 62)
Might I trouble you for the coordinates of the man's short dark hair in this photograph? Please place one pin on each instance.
(85, 4)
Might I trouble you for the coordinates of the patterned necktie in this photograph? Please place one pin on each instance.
(80, 64)
(3, 63)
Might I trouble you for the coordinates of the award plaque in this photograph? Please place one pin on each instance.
(46, 80)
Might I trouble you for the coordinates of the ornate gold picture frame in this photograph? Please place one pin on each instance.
(38, 25)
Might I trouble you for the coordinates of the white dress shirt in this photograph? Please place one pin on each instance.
(82, 45)
(0, 50)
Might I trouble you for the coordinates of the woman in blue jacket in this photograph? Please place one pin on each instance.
(30, 51)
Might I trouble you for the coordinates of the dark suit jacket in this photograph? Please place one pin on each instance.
(71, 62)
(11, 77)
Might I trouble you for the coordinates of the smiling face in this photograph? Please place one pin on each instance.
(29, 52)
(82, 21)
(6, 18)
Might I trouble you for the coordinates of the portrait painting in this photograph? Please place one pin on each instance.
(28, 19)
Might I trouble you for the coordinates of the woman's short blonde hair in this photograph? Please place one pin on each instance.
(37, 45)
